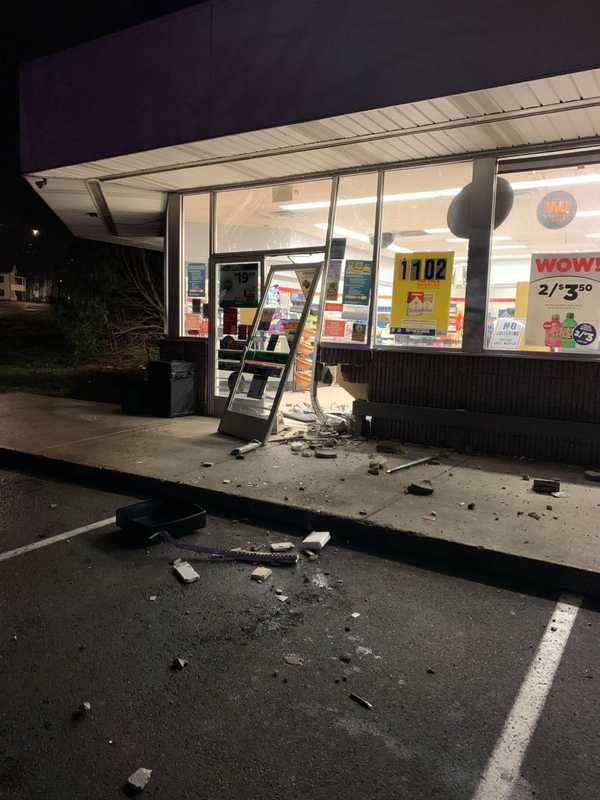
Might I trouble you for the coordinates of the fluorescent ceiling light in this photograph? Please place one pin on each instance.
(438, 230)
(360, 237)
(520, 186)
(593, 235)
(509, 246)
(457, 240)
(588, 214)
(396, 249)
(515, 257)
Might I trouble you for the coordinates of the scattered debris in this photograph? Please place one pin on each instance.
(560, 494)
(361, 701)
(282, 597)
(355, 614)
(208, 463)
(185, 572)
(281, 547)
(423, 488)
(294, 660)
(346, 658)
(525, 477)
(298, 447)
(153, 597)
(592, 475)
(325, 454)
(246, 448)
(179, 663)
(53, 505)
(227, 480)
(390, 448)
(430, 671)
(462, 505)
(434, 462)
(363, 513)
(534, 515)
(261, 574)
(316, 540)
(471, 506)
(138, 780)
(411, 464)
(548, 507)
(431, 517)
(546, 485)
(310, 555)
(307, 454)
(85, 707)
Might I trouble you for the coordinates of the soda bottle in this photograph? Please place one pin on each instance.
(553, 331)
(568, 325)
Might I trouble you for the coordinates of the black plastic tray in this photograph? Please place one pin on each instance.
(150, 516)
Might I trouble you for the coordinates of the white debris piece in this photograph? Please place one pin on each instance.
(281, 547)
(261, 574)
(282, 597)
(152, 597)
(208, 463)
(85, 707)
(139, 779)
(316, 540)
(185, 572)
(355, 614)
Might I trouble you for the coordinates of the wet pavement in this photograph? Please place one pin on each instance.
(439, 655)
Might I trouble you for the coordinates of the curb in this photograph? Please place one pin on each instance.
(434, 552)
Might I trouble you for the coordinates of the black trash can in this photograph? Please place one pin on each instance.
(171, 388)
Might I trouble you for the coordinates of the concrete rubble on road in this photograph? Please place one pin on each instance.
(361, 701)
(423, 488)
(184, 571)
(261, 574)
(294, 660)
(179, 663)
(546, 485)
(315, 540)
(139, 779)
(281, 547)
(85, 707)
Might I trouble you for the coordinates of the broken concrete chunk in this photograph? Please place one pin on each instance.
(298, 447)
(185, 572)
(293, 659)
(316, 540)
(534, 515)
(138, 780)
(422, 488)
(546, 485)
(179, 663)
(281, 547)
(355, 614)
(310, 555)
(325, 454)
(346, 658)
(261, 574)
(85, 707)
(391, 448)
(592, 475)
(471, 506)
(282, 597)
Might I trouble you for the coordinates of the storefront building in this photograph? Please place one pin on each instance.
(447, 178)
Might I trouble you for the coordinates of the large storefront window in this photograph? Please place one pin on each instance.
(348, 285)
(275, 217)
(423, 261)
(196, 213)
(544, 283)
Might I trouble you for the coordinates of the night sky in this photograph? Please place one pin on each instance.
(36, 29)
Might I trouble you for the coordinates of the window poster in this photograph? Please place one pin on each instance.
(238, 285)
(196, 279)
(563, 307)
(357, 283)
(421, 293)
(507, 333)
(333, 280)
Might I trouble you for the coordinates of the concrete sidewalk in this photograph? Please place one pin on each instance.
(94, 442)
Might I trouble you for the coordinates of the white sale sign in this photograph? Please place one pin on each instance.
(563, 309)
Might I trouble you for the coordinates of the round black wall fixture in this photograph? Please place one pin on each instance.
(458, 212)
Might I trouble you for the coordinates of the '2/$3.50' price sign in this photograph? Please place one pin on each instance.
(563, 309)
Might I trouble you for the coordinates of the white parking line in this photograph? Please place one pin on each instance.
(19, 551)
(504, 767)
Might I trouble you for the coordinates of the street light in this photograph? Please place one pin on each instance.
(35, 231)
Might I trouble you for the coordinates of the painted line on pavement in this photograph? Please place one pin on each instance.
(60, 537)
(504, 767)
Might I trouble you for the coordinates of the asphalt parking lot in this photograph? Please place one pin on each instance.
(478, 689)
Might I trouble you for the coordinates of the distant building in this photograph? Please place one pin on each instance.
(12, 286)
(38, 290)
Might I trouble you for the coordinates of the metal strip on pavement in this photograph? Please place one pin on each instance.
(28, 548)
(504, 767)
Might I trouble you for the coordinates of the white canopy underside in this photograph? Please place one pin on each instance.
(122, 199)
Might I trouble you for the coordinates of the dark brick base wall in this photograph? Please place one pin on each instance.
(559, 392)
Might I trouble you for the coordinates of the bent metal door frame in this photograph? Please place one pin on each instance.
(245, 426)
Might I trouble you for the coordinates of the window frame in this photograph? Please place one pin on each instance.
(486, 168)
